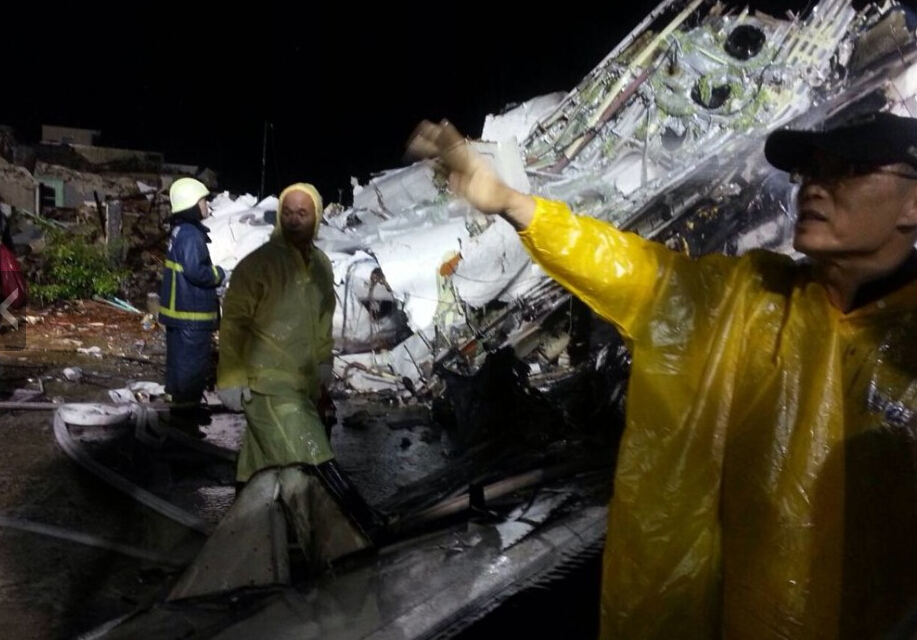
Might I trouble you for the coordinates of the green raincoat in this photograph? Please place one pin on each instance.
(767, 480)
(275, 331)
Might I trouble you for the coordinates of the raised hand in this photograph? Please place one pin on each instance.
(469, 174)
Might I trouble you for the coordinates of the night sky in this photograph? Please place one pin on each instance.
(337, 90)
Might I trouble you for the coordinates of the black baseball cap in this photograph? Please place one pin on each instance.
(874, 139)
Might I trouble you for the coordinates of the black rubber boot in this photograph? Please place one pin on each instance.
(187, 420)
(370, 521)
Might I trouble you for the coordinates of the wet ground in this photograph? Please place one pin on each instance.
(75, 552)
(57, 577)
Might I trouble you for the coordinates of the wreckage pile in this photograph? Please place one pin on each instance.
(663, 137)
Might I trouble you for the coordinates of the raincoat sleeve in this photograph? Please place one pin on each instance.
(239, 306)
(634, 283)
(612, 271)
(191, 253)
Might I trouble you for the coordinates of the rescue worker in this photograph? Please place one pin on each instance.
(189, 307)
(276, 352)
(767, 480)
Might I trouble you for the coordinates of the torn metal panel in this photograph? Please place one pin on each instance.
(411, 261)
(367, 315)
(237, 227)
(395, 190)
(247, 549)
(250, 546)
(470, 531)
(518, 121)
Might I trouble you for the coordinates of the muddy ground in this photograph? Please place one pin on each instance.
(62, 572)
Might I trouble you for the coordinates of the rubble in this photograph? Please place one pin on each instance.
(113, 198)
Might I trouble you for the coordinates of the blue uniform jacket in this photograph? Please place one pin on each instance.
(188, 295)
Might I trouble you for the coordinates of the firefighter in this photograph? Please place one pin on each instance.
(189, 307)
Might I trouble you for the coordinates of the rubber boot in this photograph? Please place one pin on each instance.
(371, 522)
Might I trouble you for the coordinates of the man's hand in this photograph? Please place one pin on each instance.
(233, 396)
(470, 174)
(224, 284)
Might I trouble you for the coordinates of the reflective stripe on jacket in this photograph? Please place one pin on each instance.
(188, 295)
(766, 485)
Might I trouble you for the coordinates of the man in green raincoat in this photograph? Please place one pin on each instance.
(276, 350)
(766, 486)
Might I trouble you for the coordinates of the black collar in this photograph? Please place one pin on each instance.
(872, 291)
(184, 218)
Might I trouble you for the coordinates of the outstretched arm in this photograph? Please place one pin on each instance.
(470, 175)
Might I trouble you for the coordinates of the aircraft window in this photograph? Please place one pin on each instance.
(744, 42)
(710, 96)
(671, 139)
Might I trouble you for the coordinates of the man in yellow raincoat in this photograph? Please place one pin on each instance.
(276, 351)
(767, 481)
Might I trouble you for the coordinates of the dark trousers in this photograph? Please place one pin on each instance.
(188, 363)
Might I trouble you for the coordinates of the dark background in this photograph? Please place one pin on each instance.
(333, 89)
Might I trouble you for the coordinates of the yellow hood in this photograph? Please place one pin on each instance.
(312, 192)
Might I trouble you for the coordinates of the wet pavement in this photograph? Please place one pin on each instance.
(53, 584)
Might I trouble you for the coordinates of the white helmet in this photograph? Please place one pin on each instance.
(185, 193)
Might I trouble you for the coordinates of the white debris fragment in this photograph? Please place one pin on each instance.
(72, 374)
(518, 122)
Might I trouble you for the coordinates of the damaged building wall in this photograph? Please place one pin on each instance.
(63, 173)
(18, 187)
(53, 134)
(110, 159)
(74, 188)
(112, 198)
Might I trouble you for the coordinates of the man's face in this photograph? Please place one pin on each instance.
(849, 211)
(205, 208)
(297, 216)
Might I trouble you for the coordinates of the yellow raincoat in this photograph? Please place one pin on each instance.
(275, 331)
(767, 480)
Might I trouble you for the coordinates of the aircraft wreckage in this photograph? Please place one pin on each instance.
(497, 447)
